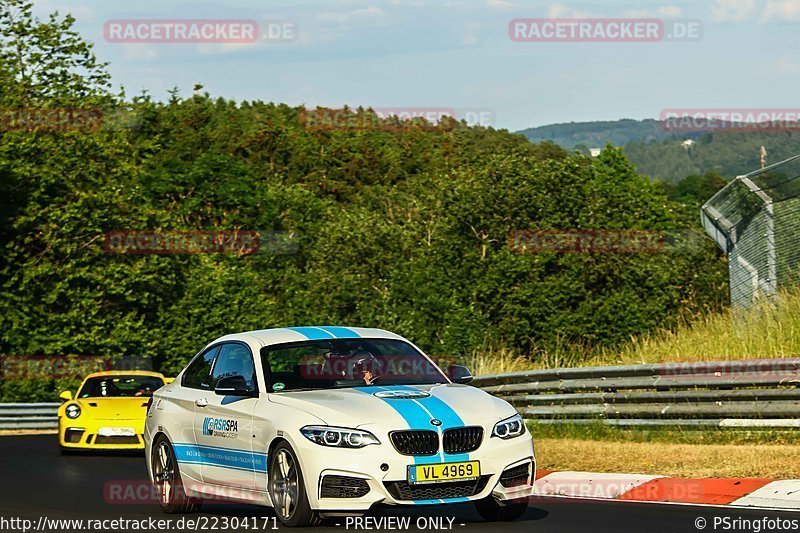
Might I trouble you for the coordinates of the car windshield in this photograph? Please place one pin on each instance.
(342, 363)
(120, 387)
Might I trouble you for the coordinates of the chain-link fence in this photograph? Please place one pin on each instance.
(755, 219)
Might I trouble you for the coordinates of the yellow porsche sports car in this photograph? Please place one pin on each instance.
(108, 412)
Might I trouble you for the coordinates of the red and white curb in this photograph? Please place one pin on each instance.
(736, 492)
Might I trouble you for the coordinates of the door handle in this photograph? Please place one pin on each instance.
(202, 402)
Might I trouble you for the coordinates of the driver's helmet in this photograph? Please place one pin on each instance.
(364, 362)
(354, 365)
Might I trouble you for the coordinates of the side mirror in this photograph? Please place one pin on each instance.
(459, 374)
(65, 396)
(233, 386)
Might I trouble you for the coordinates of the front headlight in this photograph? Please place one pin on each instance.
(73, 410)
(339, 437)
(509, 428)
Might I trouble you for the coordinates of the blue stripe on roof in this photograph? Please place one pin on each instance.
(313, 334)
(340, 332)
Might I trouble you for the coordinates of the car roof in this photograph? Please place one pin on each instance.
(269, 337)
(107, 373)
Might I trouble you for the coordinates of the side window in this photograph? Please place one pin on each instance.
(198, 375)
(234, 360)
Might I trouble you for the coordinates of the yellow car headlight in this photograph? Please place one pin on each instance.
(73, 410)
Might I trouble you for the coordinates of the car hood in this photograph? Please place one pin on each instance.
(134, 408)
(399, 407)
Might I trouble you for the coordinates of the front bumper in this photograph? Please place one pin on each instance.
(384, 471)
(83, 433)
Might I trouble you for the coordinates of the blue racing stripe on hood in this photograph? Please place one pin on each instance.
(414, 415)
(418, 413)
(442, 411)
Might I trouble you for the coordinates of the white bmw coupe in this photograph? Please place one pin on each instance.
(328, 420)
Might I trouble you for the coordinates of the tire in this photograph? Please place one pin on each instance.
(167, 479)
(493, 511)
(287, 490)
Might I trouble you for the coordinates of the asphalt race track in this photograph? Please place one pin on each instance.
(38, 481)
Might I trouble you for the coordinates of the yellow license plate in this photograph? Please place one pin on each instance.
(444, 472)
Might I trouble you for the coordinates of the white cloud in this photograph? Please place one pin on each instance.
(563, 11)
(472, 34)
(140, 51)
(660, 12)
(500, 4)
(351, 16)
(784, 66)
(732, 10)
(780, 11)
(222, 48)
(368, 12)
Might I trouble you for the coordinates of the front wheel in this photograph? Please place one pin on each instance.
(167, 479)
(493, 511)
(287, 489)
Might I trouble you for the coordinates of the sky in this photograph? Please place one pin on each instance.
(458, 55)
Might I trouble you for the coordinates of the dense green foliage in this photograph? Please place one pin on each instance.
(728, 153)
(405, 229)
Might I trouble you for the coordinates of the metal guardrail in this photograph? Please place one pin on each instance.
(748, 394)
(28, 415)
(757, 393)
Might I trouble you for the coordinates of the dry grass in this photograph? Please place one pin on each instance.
(763, 332)
(497, 361)
(675, 460)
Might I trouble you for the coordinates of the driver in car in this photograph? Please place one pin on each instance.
(359, 365)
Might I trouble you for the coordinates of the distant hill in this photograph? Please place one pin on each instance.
(597, 134)
(661, 154)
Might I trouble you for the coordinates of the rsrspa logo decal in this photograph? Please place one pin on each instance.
(220, 427)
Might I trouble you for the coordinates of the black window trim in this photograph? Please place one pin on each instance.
(266, 368)
(200, 354)
(214, 364)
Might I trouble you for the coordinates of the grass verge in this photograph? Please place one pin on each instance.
(780, 461)
(669, 452)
